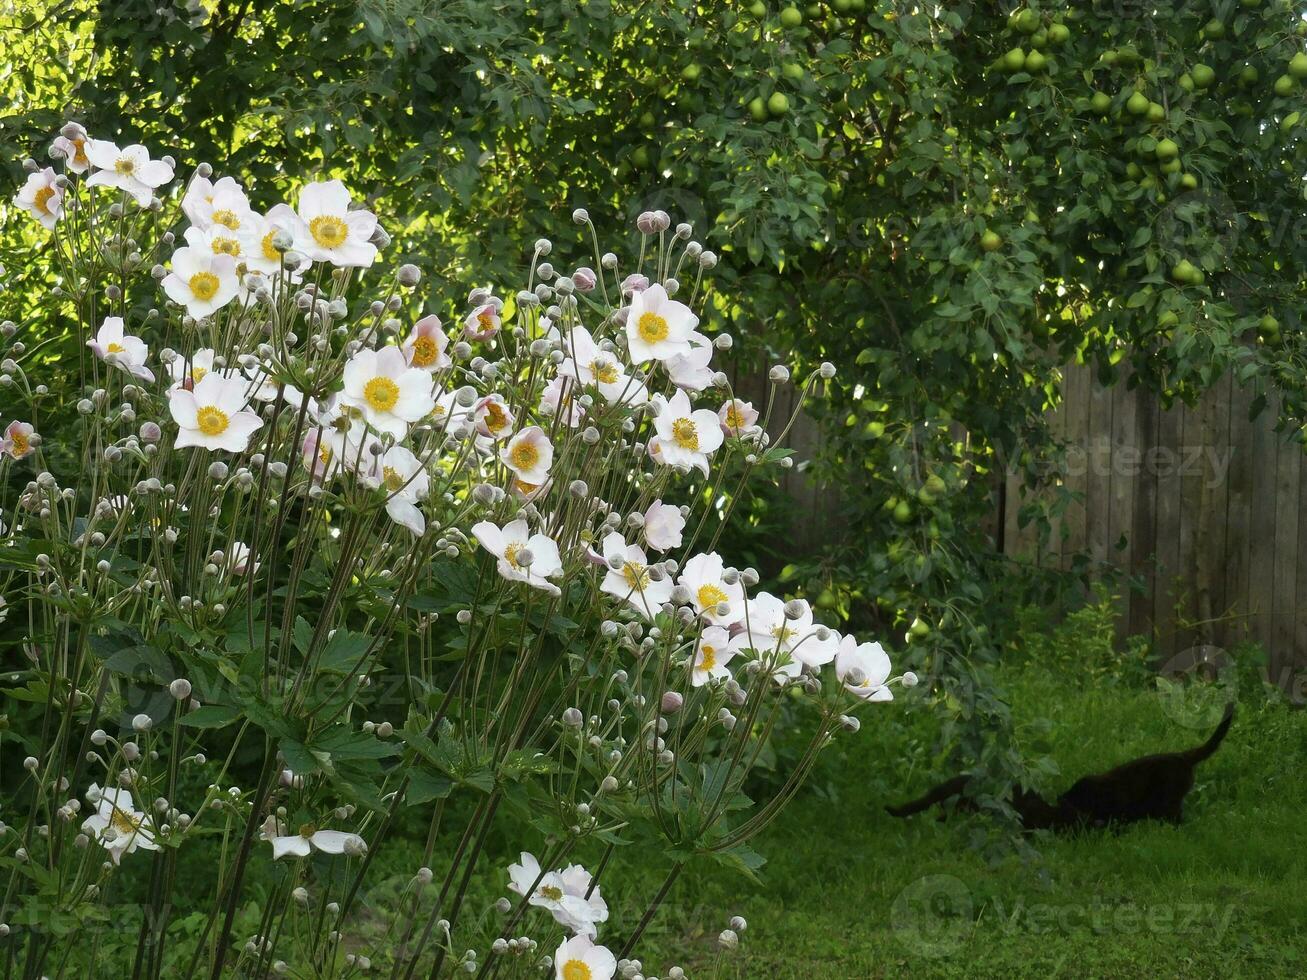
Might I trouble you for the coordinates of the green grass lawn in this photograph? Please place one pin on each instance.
(850, 892)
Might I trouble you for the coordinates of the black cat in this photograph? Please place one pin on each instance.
(1035, 812)
(1151, 788)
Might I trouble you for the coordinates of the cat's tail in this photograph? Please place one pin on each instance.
(946, 789)
(1208, 748)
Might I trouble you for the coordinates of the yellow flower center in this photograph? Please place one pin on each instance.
(381, 394)
(123, 822)
(198, 373)
(114, 349)
(308, 830)
(496, 417)
(576, 970)
(636, 575)
(605, 372)
(707, 657)
(525, 456)
(510, 553)
(269, 251)
(226, 217)
(392, 478)
(79, 153)
(212, 420)
(735, 418)
(685, 434)
(124, 166)
(551, 892)
(782, 633)
(42, 200)
(425, 352)
(204, 285)
(324, 453)
(328, 231)
(20, 444)
(710, 595)
(226, 246)
(487, 319)
(652, 328)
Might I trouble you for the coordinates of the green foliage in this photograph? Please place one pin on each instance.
(948, 202)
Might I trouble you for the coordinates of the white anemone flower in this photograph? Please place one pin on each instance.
(709, 592)
(70, 145)
(113, 345)
(214, 414)
(863, 669)
(604, 371)
(266, 388)
(406, 482)
(664, 525)
(576, 342)
(447, 411)
(425, 346)
(483, 322)
(628, 576)
(258, 234)
(657, 327)
(768, 630)
(130, 169)
(239, 559)
(560, 399)
(691, 370)
(711, 655)
(216, 240)
(309, 839)
(189, 371)
(326, 230)
(221, 202)
(529, 454)
(507, 544)
(738, 418)
(493, 417)
(320, 452)
(583, 904)
(391, 394)
(567, 895)
(116, 824)
(686, 436)
(17, 441)
(201, 281)
(42, 197)
(580, 959)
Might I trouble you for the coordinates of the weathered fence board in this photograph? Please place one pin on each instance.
(1200, 505)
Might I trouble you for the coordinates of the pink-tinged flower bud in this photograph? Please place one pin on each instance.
(635, 283)
(647, 222)
(585, 279)
(672, 702)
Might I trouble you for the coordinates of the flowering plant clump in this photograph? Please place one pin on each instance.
(320, 564)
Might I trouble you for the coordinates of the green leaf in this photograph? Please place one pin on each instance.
(211, 716)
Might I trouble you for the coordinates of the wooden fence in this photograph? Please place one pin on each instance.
(1201, 506)
(1202, 509)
